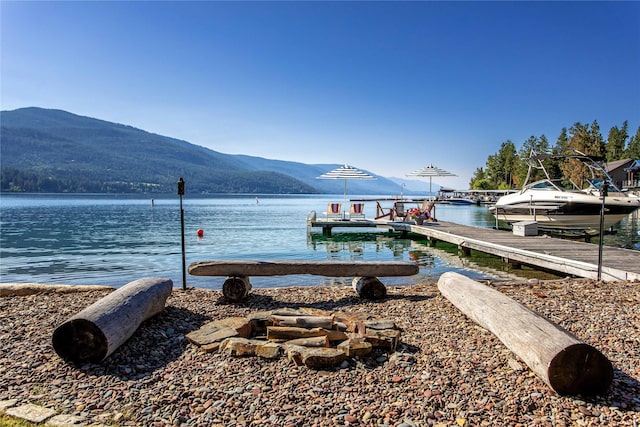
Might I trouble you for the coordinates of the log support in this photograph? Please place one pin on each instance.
(568, 365)
(369, 288)
(236, 288)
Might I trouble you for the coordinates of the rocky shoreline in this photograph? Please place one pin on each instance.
(446, 371)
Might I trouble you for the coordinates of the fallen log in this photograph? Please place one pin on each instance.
(98, 330)
(566, 364)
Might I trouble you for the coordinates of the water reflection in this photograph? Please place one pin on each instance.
(433, 261)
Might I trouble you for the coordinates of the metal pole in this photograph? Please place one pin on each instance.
(603, 193)
(184, 259)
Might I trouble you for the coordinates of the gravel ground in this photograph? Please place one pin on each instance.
(447, 371)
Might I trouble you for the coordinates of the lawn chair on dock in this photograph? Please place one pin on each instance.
(399, 211)
(334, 211)
(427, 207)
(356, 211)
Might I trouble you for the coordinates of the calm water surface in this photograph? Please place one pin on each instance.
(112, 240)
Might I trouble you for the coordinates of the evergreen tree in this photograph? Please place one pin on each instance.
(579, 139)
(597, 147)
(500, 166)
(479, 181)
(562, 146)
(633, 149)
(538, 146)
(616, 142)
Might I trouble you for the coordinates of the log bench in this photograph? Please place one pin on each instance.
(365, 273)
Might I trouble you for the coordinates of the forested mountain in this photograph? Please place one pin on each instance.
(508, 167)
(43, 150)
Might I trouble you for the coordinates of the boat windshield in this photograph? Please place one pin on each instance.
(544, 184)
(596, 184)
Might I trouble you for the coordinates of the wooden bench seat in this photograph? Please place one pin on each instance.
(365, 273)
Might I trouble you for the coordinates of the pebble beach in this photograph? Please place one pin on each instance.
(447, 371)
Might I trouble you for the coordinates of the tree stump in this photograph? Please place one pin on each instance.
(369, 287)
(98, 330)
(566, 364)
(236, 288)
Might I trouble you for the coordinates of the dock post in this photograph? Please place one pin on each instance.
(464, 251)
(184, 260)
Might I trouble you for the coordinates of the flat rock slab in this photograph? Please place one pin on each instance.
(219, 330)
(4, 404)
(32, 413)
(64, 420)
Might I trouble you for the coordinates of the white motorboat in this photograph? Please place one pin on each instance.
(554, 207)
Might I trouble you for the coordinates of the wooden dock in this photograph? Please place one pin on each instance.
(565, 256)
(328, 225)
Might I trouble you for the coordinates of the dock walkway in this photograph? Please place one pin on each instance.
(565, 256)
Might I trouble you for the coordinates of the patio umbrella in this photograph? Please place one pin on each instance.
(429, 172)
(346, 172)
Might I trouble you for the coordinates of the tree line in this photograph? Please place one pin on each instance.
(507, 169)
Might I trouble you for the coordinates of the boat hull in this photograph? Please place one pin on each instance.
(573, 215)
(587, 223)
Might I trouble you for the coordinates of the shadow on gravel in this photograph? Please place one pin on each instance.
(265, 302)
(157, 342)
(624, 393)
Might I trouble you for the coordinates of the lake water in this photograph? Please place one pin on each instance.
(111, 240)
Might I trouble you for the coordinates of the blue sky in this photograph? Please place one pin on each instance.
(384, 86)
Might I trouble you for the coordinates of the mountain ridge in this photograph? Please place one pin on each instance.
(52, 150)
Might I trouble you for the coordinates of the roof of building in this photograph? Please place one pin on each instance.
(617, 164)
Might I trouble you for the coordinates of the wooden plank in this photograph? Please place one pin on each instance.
(566, 256)
(318, 268)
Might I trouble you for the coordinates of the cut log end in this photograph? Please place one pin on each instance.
(580, 369)
(369, 287)
(236, 288)
(80, 341)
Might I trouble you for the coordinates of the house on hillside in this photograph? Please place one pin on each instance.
(625, 174)
(632, 182)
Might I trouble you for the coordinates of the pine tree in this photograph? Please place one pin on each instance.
(633, 149)
(540, 146)
(616, 142)
(580, 139)
(597, 147)
(562, 146)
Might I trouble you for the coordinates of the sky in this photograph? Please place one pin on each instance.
(388, 87)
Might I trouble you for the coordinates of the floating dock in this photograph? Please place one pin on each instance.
(565, 256)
